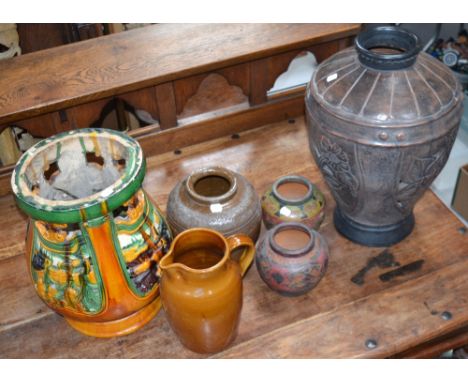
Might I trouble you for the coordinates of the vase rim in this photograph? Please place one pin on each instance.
(293, 179)
(205, 172)
(282, 251)
(84, 208)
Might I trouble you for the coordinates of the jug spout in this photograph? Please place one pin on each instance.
(167, 260)
(168, 267)
(197, 267)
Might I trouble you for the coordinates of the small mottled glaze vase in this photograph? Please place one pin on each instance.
(292, 258)
(293, 198)
(94, 237)
(201, 287)
(215, 198)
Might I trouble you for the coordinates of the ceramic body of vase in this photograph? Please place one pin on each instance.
(94, 237)
(382, 120)
(293, 198)
(215, 198)
(201, 287)
(292, 258)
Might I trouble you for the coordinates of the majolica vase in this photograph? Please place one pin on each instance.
(382, 119)
(293, 198)
(94, 237)
(217, 198)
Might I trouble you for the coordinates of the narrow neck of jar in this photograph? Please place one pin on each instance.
(214, 185)
(292, 239)
(387, 48)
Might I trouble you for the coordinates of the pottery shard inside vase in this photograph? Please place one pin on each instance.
(76, 167)
(212, 185)
(292, 190)
(292, 239)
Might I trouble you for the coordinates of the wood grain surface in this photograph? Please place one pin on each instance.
(334, 320)
(72, 74)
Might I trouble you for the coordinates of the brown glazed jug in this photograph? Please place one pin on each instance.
(201, 287)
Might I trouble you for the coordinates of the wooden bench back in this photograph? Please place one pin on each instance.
(159, 69)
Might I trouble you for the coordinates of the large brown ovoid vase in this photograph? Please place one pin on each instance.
(382, 118)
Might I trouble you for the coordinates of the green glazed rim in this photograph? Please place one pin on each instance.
(89, 207)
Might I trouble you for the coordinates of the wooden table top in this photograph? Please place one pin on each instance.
(69, 75)
(404, 315)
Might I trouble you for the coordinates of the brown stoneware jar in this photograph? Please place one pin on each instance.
(201, 287)
(382, 119)
(292, 258)
(293, 198)
(215, 198)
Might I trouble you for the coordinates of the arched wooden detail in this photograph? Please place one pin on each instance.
(213, 93)
(118, 114)
(86, 115)
(144, 102)
(236, 75)
(186, 88)
(44, 125)
(263, 72)
(298, 73)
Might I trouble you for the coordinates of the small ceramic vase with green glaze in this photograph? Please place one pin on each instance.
(94, 237)
(293, 198)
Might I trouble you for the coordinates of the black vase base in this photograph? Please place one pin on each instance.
(372, 236)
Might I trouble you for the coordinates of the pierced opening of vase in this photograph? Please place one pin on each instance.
(74, 168)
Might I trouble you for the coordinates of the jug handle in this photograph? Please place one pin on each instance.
(241, 240)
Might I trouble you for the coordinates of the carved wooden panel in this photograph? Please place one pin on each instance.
(186, 88)
(166, 104)
(264, 72)
(212, 79)
(299, 72)
(45, 125)
(143, 99)
(237, 75)
(213, 93)
(87, 114)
